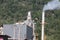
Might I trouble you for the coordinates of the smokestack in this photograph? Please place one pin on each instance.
(54, 4)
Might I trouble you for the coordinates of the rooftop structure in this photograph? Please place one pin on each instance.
(29, 20)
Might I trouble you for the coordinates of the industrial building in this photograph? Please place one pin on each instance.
(19, 31)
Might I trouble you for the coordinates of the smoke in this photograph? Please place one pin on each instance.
(52, 5)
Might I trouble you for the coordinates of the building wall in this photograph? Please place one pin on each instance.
(21, 31)
(29, 33)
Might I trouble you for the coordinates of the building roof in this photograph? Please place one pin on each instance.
(17, 31)
(10, 29)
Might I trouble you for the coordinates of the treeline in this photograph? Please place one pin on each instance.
(12, 11)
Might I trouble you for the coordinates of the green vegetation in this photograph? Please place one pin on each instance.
(12, 11)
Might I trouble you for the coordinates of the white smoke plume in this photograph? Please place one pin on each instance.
(54, 4)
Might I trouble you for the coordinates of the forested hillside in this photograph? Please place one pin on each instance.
(12, 11)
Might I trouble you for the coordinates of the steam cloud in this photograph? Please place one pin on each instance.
(54, 4)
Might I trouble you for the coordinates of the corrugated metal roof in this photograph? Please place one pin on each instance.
(8, 29)
(23, 33)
